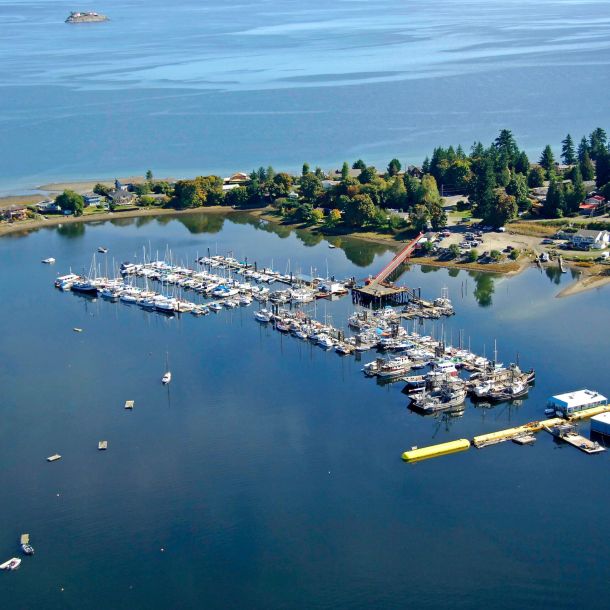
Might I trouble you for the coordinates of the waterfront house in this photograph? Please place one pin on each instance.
(121, 197)
(586, 239)
(572, 402)
(329, 184)
(48, 207)
(15, 213)
(91, 199)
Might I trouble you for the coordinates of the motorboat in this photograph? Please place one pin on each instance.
(48, 261)
(102, 250)
(27, 548)
(85, 287)
(11, 564)
(263, 315)
(166, 378)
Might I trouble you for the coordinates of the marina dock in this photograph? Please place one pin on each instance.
(525, 431)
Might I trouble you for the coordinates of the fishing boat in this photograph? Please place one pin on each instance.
(512, 391)
(85, 287)
(450, 396)
(11, 564)
(27, 549)
(168, 374)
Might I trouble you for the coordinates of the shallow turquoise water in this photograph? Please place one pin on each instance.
(218, 87)
(270, 472)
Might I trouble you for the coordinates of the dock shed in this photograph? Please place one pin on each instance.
(579, 400)
(601, 424)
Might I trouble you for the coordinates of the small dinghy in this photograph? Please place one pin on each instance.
(27, 549)
(48, 261)
(102, 250)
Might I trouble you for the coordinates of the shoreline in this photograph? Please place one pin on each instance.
(589, 280)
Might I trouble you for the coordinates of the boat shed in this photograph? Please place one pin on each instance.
(572, 402)
(601, 424)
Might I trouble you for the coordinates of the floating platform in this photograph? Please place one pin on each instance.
(25, 539)
(102, 445)
(381, 294)
(129, 404)
(525, 439)
(415, 454)
(571, 437)
(509, 434)
(54, 457)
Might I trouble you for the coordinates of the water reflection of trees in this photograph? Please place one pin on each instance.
(123, 222)
(71, 230)
(484, 287)
(553, 273)
(202, 223)
(453, 272)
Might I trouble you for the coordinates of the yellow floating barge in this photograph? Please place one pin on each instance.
(435, 450)
(483, 440)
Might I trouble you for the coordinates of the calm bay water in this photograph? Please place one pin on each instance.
(216, 86)
(269, 471)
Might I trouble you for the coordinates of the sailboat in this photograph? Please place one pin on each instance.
(168, 374)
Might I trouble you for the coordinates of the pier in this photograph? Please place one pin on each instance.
(379, 291)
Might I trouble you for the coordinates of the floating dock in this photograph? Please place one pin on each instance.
(25, 539)
(54, 457)
(129, 404)
(520, 434)
(415, 454)
(569, 435)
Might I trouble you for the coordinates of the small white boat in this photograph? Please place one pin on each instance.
(331, 246)
(102, 250)
(168, 375)
(11, 564)
(27, 549)
(48, 261)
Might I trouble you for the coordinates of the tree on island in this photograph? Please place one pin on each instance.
(149, 175)
(359, 212)
(72, 201)
(536, 177)
(344, 171)
(359, 164)
(568, 153)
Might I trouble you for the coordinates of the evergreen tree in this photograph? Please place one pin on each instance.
(602, 168)
(305, 169)
(483, 184)
(506, 147)
(577, 194)
(547, 160)
(517, 187)
(586, 167)
(535, 178)
(344, 171)
(554, 204)
(360, 164)
(583, 148)
(522, 164)
(597, 143)
(425, 168)
(568, 153)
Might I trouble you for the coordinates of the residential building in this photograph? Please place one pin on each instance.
(586, 239)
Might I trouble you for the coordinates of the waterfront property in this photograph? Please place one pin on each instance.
(572, 402)
(586, 239)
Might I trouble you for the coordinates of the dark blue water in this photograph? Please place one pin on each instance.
(269, 471)
(218, 87)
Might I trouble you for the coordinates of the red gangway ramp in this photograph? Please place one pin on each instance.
(398, 260)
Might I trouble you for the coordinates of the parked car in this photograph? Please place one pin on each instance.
(547, 240)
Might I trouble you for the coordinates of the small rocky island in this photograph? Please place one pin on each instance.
(80, 17)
